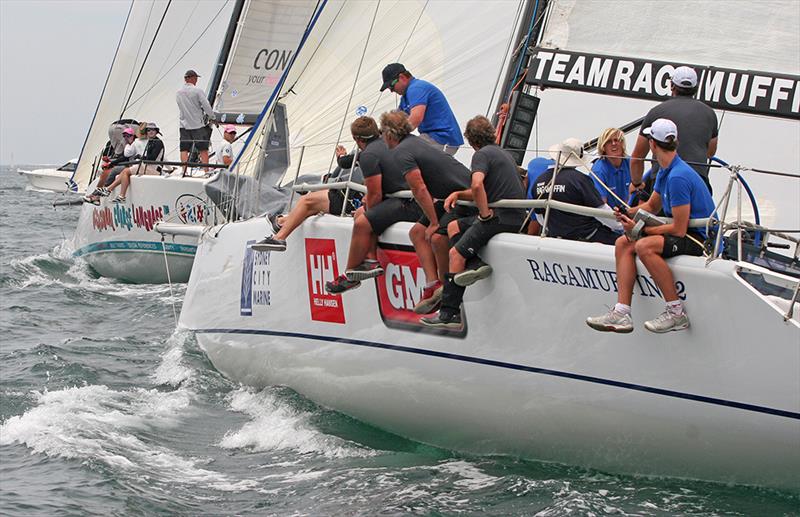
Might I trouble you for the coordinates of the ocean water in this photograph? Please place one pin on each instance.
(106, 410)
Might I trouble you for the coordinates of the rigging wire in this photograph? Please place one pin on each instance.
(138, 51)
(178, 60)
(144, 61)
(355, 82)
(178, 38)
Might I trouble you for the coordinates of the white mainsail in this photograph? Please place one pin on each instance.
(160, 42)
(337, 74)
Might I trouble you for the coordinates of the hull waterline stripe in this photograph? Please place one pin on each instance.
(513, 366)
(180, 249)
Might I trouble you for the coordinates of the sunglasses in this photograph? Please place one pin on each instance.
(152, 129)
(394, 83)
(127, 136)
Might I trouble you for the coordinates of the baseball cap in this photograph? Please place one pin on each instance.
(661, 129)
(230, 128)
(684, 77)
(390, 73)
(128, 131)
(190, 73)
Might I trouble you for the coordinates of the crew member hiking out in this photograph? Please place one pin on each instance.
(494, 177)
(432, 175)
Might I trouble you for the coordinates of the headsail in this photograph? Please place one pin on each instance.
(336, 76)
(174, 36)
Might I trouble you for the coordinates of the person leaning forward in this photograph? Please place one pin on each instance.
(696, 122)
(426, 106)
(494, 177)
(684, 196)
(432, 175)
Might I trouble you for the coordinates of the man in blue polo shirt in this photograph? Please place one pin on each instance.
(426, 106)
(683, 195)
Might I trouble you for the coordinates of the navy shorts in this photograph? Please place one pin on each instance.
(477, 233)
(392, 210)
(458, 212)
(674, 246)
(336, 200)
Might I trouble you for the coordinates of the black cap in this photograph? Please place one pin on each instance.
(190, 73)
(390, 73)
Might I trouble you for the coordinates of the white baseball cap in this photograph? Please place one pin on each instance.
(684, 77)
(661, 129)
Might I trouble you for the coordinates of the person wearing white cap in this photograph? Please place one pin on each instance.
(683, 196)
(225, 155)
(574, 187)
(696, 122)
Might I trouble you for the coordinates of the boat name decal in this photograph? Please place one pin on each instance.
(749, 91)
(322, 267)
(255, 280)
(123, 216)
(593, 278)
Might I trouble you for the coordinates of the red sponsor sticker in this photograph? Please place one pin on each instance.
(322, 267)
(400, 288)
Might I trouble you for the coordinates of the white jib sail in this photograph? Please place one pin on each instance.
(462, 47)
(189, 37)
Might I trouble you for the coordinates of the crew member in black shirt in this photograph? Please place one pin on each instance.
(574, 187)
(432, 175)
(494, 177)
(382, 176)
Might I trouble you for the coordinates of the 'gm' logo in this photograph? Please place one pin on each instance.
(322, 267)
(400, 288)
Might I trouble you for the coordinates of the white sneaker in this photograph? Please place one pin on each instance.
(666, 322)
(612, 321)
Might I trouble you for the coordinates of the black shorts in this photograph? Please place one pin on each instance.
(458, 212)
(603, 234)
(336, 200)
(477, 233)
(674, 246)
(198, 138)
(392, 210)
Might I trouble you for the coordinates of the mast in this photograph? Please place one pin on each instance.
(224, 52)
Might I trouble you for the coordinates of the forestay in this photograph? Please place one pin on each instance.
(337, 74)
(185, 34)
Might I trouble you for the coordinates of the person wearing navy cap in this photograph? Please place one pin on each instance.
(427, 108)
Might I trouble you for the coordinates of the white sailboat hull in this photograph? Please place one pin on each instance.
(720, 401)
(119, 240)
(48, 179)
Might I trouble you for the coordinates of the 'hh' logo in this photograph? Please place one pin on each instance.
(322, 267)
(400, 288)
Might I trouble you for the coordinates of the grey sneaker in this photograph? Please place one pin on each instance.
(476, 270)
(431, 298)
(442, 321)
(270, 244)
(364, 271)
(666, 322)
(341, 284)
(612, 321)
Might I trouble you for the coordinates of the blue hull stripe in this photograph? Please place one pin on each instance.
(180, 249)
(512, 366)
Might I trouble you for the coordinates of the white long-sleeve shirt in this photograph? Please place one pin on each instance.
(193, 104)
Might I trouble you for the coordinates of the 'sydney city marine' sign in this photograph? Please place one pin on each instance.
(749, 91)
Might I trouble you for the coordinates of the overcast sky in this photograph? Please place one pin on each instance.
(54, 58)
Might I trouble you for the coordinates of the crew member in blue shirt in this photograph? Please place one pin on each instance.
(613, 168)
(426, 106)
(684, 196)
